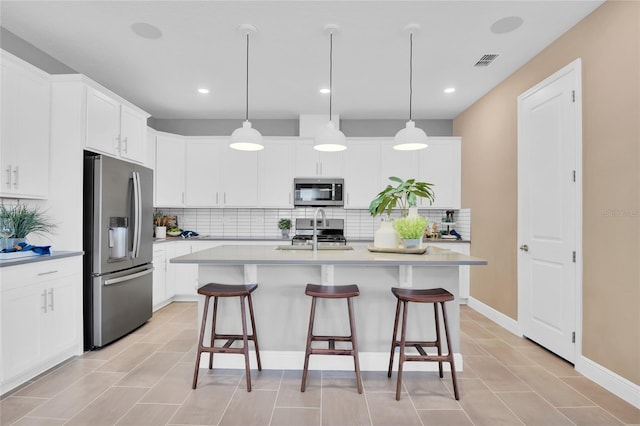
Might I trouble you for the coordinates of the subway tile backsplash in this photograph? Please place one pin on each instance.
(263, 223)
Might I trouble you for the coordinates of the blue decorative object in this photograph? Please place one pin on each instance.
(20, 247)
(187, 234)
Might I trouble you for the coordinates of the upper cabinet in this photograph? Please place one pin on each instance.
(169, 174)
(440, 164)
(310, 163)
(275, 174)
(115, 128)
(25, 134)
(361, 173)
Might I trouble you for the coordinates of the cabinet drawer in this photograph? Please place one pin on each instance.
(37, 272)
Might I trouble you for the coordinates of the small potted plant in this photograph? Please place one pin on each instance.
(284, 225)
(411, 229)
(21, 220)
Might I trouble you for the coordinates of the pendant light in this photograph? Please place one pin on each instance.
(328, 137)
(246, 138)
(410, 138)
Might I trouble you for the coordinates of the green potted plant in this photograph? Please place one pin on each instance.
(411, 229)
(404, 195)
(284, 225)
(21, 220)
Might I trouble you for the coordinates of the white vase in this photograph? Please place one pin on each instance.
(386, 236)
(161, 232)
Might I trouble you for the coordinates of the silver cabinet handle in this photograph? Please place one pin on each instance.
(44, 300)
(9, 176)
(125, 145)
(16, 175)
(47, 273)
(51, 299)
(116, 143)
(524, 247)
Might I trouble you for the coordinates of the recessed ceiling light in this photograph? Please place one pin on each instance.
(506, 25)
(203, 90)
(325, 91)
(145, 30)
(449, 90)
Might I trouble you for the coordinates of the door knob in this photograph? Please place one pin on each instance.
(524, 247)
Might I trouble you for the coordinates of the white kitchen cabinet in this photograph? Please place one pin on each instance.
(150, 157)
(239, 177)
(203, 184)
(25, 130)
(362, 172)
(114, 128)
(440, 164)
(160, 297)
(41, 317)
(181, 278)
(169, 176)
(402, 164)
(310, 163)
(275, 174)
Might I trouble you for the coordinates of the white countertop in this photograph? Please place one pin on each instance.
(22, 258)
(269, 255)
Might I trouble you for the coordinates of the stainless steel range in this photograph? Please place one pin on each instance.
(332, 234)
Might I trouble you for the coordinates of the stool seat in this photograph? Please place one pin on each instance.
(243, 292)
(332, 291)
(436, 296)
(226, 290)
(426, 295)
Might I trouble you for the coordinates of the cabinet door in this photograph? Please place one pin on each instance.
(181, 278)
(159, 275)
(133, 134)
(25, 130)
(306, 159)
(169, 173)
(239, 177)
(62, 324)
(361, 177)
(203, 186)
(103, 123)
(275, 174)
(440, 165)
(331, 163)
(22, 308)
(402, 164)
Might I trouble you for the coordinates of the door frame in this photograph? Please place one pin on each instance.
(574, 67)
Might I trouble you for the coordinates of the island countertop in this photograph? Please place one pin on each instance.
(270, 255)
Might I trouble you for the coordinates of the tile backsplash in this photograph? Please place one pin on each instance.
(263, 223)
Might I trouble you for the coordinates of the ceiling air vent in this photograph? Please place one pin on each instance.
(485, 60)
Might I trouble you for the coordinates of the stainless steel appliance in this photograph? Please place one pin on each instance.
(118, 238)
(318, 192)
(331, 235)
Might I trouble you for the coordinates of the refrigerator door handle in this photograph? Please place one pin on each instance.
(137, 216)
(128, 277)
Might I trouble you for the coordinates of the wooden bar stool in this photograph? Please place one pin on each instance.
(435, 296)
(332, 292)
(226, 290)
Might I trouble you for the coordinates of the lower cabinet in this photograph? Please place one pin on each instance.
(160, 294)
(41, 320)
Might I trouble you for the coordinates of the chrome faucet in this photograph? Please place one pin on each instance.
(314, 241)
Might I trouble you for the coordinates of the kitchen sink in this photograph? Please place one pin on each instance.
(308, 247)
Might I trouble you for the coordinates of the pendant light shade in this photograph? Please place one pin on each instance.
(246, 138)
(329, 138)
(411, 138)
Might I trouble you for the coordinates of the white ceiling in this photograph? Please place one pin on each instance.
(289, 55)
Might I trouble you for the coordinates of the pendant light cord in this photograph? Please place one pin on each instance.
(330, 72)
(410, 73)
(246, 109)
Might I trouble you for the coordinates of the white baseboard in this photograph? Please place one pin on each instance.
(609, 380)
(294, 360)
(498, 317)
(595, 372)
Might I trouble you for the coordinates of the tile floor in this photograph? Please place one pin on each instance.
(145, 379)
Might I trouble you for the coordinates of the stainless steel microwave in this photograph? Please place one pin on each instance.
(318, 192)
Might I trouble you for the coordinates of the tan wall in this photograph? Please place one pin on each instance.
(608, 41)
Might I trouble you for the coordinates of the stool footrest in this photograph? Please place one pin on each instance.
(436, 358)
(222, 350)
(328, 338)
(330, 351)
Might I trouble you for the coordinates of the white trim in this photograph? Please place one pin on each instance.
(498, 317)
(609, 380)
(294, 360)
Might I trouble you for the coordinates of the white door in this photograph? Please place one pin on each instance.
(549, 147)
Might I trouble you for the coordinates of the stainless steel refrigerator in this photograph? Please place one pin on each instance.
(118, 238)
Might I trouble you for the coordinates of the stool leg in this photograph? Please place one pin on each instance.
(453, 367)
(308, 349)
(213, 329)
(354, 343)
(403, 340)
(393, 340)
(200, 343)
(438, 341)
(245, 340)
(255, 333)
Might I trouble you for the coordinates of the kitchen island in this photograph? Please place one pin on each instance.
(282, 308)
